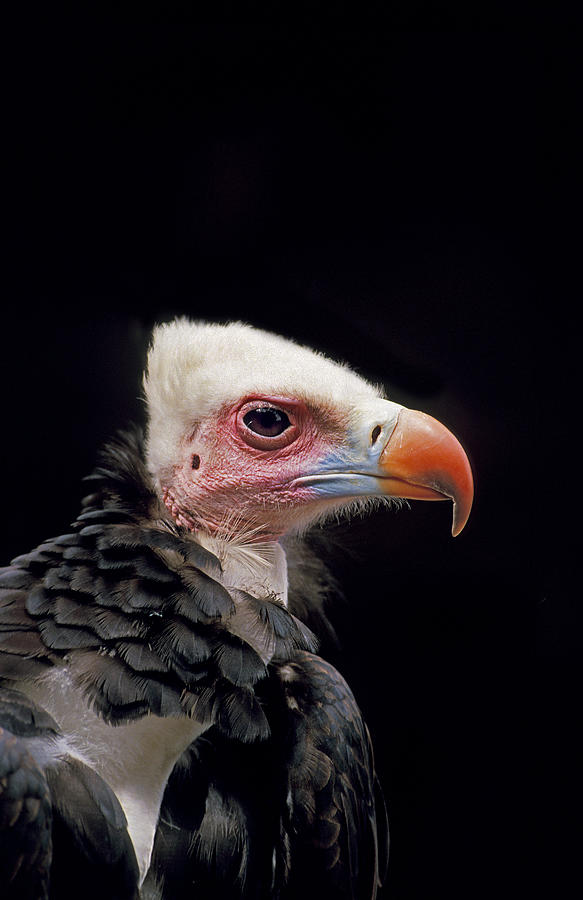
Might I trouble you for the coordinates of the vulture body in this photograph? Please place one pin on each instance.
(166, 727)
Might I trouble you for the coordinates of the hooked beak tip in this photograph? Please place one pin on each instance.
(424, 460)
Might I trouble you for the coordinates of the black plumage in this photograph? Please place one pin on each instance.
(92, 851)
(298, 815)
(278, 798)
(26, 816)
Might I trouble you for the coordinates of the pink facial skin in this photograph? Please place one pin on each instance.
(235, 468)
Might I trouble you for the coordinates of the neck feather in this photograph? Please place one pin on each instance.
(260, 568)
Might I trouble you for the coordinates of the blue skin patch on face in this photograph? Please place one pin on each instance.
(347, 485)
(343, 475)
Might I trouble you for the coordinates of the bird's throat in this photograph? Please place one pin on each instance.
(259, 568)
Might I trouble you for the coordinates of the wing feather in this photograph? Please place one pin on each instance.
(293, 816)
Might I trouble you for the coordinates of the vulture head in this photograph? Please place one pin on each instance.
(253, 437)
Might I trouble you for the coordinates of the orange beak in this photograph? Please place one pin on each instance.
(422, 460)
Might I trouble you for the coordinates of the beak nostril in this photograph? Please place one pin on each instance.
(375, 434)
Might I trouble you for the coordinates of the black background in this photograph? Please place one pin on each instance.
(399, 198)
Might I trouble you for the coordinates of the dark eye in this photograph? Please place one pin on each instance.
(267, 421)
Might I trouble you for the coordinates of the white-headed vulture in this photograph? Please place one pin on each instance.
(167, 730)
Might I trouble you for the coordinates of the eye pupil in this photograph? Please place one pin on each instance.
(267, 421)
